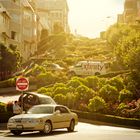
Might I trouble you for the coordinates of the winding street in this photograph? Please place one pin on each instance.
(83, 131)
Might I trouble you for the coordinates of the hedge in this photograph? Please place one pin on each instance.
(113, 74)
(108, 118)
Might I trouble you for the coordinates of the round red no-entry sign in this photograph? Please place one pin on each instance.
(22, 84)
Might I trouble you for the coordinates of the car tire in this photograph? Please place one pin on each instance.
(16, 132)
(97, 73)
(47, 127)
(71, 74)
(72, 126)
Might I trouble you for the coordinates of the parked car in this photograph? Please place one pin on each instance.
(43, 118)
(53, 67)
(84, 68)
(28, 99)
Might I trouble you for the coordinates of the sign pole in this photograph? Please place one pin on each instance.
(22, 101)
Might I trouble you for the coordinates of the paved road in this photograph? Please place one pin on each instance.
(7, 98)
(83, 131)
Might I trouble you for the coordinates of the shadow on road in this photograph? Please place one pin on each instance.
(37, 134)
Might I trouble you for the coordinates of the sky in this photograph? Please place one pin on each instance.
(90, 17)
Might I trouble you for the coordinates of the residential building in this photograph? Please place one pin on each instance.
(29, 30)
(23, 26)
(52, 12)
(4, 25)
(131, 12)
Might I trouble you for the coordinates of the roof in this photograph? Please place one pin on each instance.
(37, 94)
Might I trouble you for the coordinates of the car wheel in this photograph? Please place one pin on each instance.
(72, 126)
(97, 73)
(71, 74)
(47, 127)
(16, 132)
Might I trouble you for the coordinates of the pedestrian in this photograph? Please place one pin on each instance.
(16, 108)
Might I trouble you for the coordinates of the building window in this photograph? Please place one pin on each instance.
(13, 35)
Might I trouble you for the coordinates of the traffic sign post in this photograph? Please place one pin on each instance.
(22, 84)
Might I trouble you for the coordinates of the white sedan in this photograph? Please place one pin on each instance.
(43, 118)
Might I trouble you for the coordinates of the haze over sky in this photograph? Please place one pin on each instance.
(90, 17)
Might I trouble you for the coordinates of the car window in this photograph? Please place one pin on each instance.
(62, 109)
(41, 110)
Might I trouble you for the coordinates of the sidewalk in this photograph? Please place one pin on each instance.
(3, 128)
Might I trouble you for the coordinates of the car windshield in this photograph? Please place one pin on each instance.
(41, 110)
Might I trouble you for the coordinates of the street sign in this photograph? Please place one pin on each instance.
(22, 84)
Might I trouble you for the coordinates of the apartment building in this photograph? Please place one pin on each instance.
(4, 25)
(29, 30)
(131, 12)
(52, 12)
(22, 27)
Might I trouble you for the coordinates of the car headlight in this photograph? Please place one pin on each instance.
(11, 121)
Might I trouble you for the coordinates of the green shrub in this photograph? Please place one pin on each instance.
(60, 99)
(102, 82)
(97, 104)
(58, 85)
(120, 108)
(46, 79)
(85, 93)
(125, 95)
(93, 82)
(45, 91)
(48, 94)
(2, 107)
(42, 90)
(83, 107)
(71, 100)
(82, 80)
(109, 93)
(117, 82)
(61, 90)
(74, 83)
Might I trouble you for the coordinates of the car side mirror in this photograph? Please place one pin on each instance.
(57, 112)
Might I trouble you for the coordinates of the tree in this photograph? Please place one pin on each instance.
(8, 55)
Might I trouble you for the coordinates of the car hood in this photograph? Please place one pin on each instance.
(30, 116)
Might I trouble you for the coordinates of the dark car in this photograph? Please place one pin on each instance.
(29, 99)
